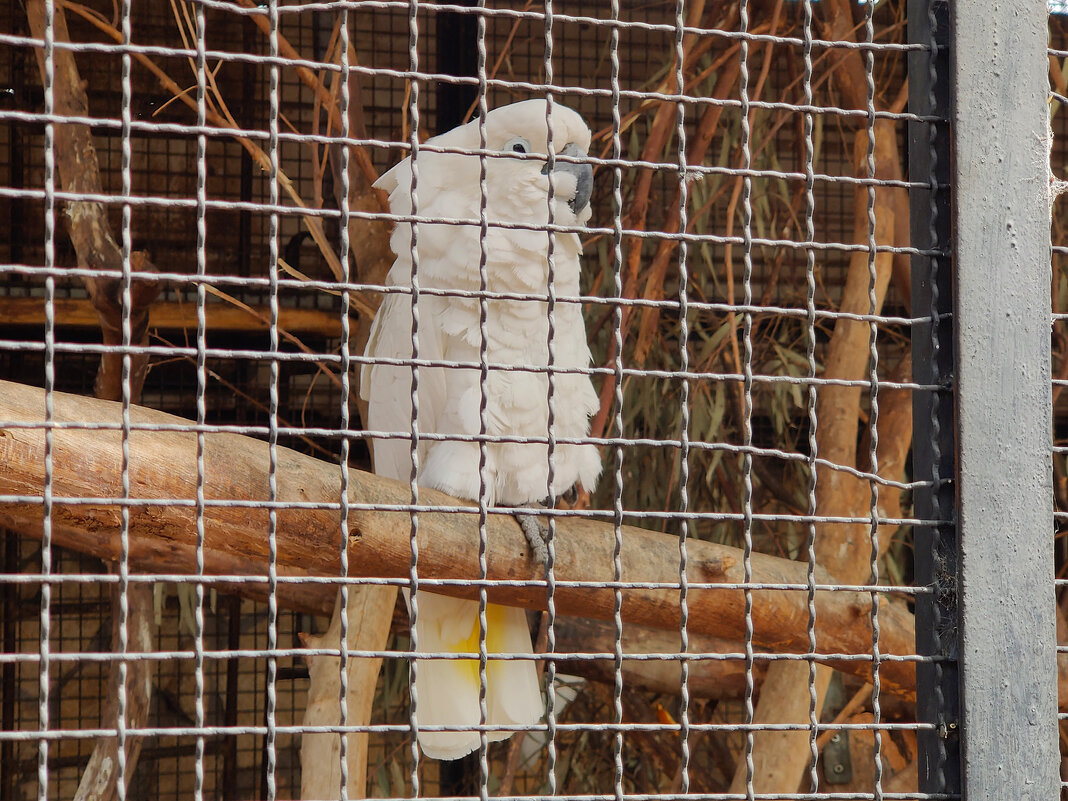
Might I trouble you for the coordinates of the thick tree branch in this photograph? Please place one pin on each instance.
(779, 757)
(87, 465)
(369, 613)
(708, 678)
(87, 221)
(90, 232)
(99, 780)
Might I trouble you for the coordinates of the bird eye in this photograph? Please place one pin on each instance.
(517, 145)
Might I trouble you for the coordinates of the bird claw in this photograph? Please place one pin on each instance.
(537, 536)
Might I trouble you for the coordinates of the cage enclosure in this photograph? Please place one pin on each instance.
(747, 599)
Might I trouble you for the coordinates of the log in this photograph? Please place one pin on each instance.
(87, 464)
(370, 257)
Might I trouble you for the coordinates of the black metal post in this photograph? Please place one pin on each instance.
(457, 38)
(937, 696)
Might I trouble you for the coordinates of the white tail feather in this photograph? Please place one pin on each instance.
(448, 688)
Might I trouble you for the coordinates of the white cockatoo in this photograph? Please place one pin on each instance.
(516, 402)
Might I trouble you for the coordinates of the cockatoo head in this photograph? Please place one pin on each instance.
(517, 170)
(521, 129)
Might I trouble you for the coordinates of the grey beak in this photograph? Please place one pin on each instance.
(583, 176)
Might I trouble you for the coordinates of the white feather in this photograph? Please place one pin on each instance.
(449, 398)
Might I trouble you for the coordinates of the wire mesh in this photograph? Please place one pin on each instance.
(745, 293)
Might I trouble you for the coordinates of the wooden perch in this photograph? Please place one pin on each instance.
(87, 464)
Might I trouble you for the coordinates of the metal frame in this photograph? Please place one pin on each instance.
(938, 698)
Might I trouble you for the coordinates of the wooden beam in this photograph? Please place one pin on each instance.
(80, 313)
(87, 465)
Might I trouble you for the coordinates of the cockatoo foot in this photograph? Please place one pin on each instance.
(537, 536)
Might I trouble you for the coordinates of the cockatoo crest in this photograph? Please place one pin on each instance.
(516, 188)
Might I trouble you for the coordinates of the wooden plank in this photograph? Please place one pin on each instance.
(170, 315)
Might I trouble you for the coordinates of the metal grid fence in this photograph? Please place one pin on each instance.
(803, 573)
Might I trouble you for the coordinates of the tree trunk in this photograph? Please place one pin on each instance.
(780, 757)
(90, 232)
(370, 611)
